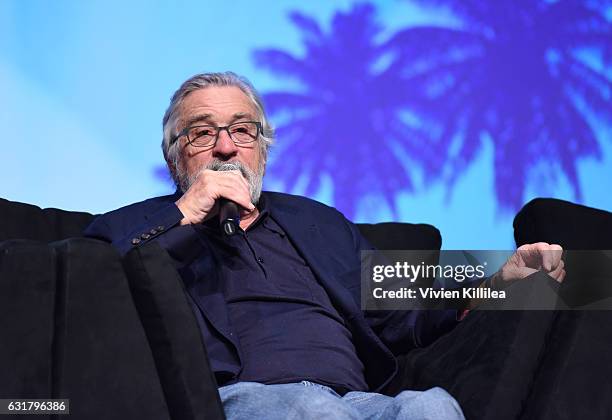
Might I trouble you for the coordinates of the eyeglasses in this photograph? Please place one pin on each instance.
(207, 135)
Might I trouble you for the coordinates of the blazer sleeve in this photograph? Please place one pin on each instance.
(129, 228)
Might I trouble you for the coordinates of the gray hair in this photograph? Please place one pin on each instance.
(170, 146)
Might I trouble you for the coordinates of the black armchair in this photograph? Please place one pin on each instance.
(115, 335)
(574, 380)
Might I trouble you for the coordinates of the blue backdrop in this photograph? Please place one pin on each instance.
(449, 112)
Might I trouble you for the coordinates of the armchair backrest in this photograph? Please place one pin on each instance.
(25, 221)
(573, 226)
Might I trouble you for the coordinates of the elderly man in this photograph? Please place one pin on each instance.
(278, 302)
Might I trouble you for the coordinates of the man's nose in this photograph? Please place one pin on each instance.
(224, 146)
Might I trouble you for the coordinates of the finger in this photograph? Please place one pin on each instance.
(531, 255)
(229, 176)
(556, 273)
(562, 276)
(511, 274)
(216, 185)
(556, 252)
(551, 256)
(523, 255)
(222, 175)
(545, 255)
(523, 272)
(214, 210)
(243, 199)
(234, 177)
(238, 194)
(224, 184)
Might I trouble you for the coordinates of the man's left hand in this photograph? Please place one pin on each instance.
(529, 259)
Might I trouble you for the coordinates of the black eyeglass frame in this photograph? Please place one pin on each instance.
(185, 131)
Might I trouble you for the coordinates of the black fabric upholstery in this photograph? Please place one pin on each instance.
(27, 304)
(70, 330)
(188, 383)
(390, 236)
(573, 381)
(102, 360)
(488, 362)
(25, 221)
(570, 225)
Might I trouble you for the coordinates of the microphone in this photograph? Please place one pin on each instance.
(229, 216)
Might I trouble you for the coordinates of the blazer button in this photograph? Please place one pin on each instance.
(160, 228)
(135, 241)
(145, 236)
(153, 232)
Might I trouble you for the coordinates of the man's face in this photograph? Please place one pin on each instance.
(217, 106)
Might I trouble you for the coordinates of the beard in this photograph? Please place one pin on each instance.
(254, 179)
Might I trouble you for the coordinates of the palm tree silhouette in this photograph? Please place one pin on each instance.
(515, 71)
(346, 120)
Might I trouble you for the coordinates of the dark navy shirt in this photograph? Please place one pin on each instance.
(287, 328)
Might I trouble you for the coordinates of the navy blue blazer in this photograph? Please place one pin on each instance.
(327, 241)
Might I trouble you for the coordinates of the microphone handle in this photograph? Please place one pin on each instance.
(229, 216)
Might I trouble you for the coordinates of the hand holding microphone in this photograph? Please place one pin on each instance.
(217, 192)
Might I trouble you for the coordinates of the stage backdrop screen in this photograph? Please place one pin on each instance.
(449, 112)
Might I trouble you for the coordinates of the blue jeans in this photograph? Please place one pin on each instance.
(307, 400)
